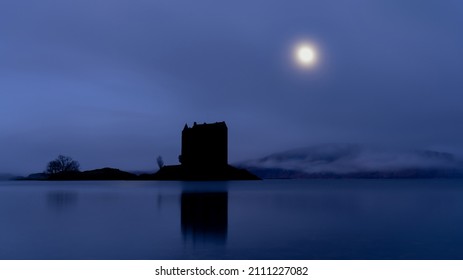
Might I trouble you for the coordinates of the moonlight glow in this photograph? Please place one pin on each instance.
(305, 55)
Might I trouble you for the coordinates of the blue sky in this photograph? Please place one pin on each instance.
(111, 83)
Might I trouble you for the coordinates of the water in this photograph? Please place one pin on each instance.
(274, 219)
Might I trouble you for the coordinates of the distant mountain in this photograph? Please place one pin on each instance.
(355, 161)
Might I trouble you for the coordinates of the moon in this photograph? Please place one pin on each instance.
(305, 55)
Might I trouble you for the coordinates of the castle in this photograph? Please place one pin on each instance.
(204, 156)
(204, 145)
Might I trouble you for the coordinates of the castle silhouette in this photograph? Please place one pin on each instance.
(204, 156)
(204, 145)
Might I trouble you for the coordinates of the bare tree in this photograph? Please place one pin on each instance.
(160, 162)
(62, 164)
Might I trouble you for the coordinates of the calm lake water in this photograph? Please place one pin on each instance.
(272, 219)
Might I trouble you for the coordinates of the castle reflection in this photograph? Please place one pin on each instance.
(204, 217)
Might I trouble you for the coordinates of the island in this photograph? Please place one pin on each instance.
(204, 157)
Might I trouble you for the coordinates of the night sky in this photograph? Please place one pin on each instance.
(112, 82)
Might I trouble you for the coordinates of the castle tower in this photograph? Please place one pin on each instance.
(204, 146)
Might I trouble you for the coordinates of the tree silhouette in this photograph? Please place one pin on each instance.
(62, 164)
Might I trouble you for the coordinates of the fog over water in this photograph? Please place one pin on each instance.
(352, 158)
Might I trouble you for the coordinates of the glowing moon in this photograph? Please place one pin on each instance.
(305, 55)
